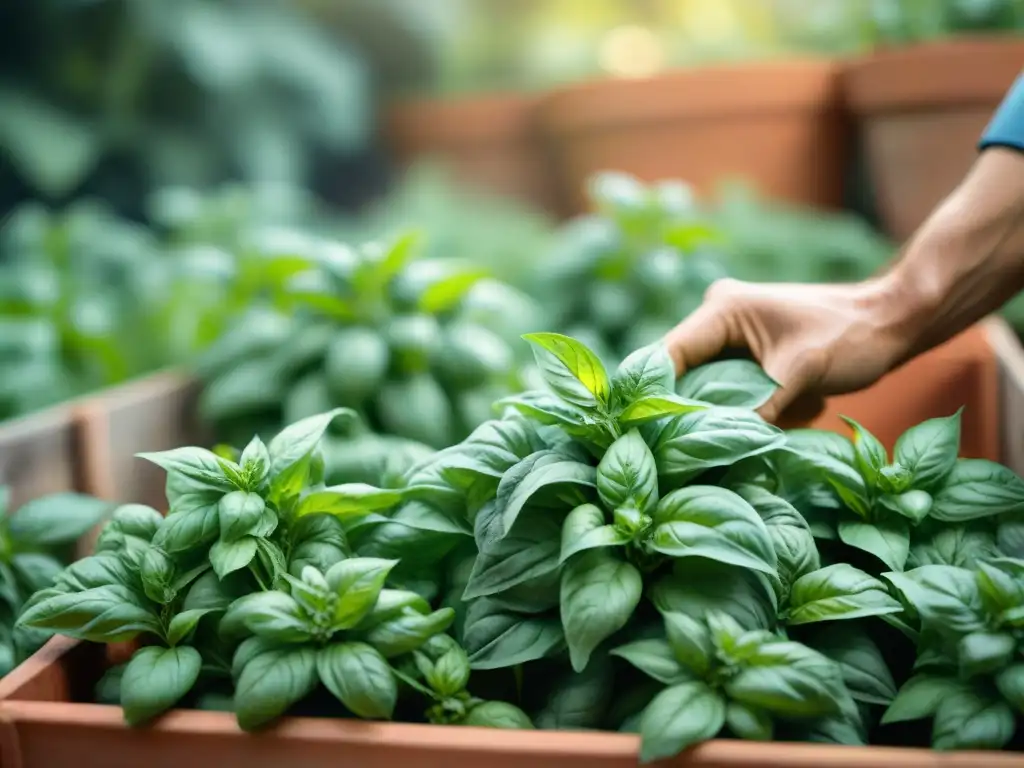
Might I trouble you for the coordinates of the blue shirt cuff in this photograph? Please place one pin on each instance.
(1007, 126)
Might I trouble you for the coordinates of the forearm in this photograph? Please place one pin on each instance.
(965, 262)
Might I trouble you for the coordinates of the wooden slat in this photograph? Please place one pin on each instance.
(1010, 359)
(38, 454)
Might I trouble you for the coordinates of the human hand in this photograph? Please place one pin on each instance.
(815, 340)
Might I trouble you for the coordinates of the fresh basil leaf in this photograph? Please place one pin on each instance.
(529, 551)
(193, 523)
(272, 615)
(960, 545)
(599, 595)
(271, 682)
(886, 539)
(691, 642)
(203, 467)
(183, 625)
(579, 700)
(35, 571)
(408, 631)
(1010, 538)
(656, 406)
(748, 723)
(156, 679)
(572, 371)
(711, 522)
(158, 574)
(970, 719)
(982, 653)
(424, 517)
(735, 383)
(104, 614)
(230, 556)
(449, 674)
(838, 591)
(292, 448)
(1001, 584)
(929, 450)
(585, 528)
(788, 679)
(947, 599)
(100, 570)
(627, 475)
(976, 488)
(685, 446)
(255, 462)
(1010, 682)
(240, 514)
(136, 520)
(56, 519)
(348, 500)
(920, 697)
(317, 540)
(495, 446)
(497, 714)
(679, 717)
(360, 678)
(789, 532)
(697, 586)
(655, 658)
(860, 660)
(648, 370)
(496, 638)
(913, 505)
(547, 408)
(357, 582)
(870, 454)
(550, 478)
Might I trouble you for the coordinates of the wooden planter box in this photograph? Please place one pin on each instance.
(39, 452)
(40, 728)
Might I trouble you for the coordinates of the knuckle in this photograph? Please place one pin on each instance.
(722, 289)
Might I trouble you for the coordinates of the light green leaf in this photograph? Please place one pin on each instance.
(648, 370)
(103, 614)
(887, 539)
(230, 556)
(655, 658)
(497, 714)
(599, 594)
(679, 717)
(946, 598)
(156, 679)
(193, 522)
(357, 582)
(360, 678)
(291, 449)
(56, 519)
(749, 723)
(627, 474)
(272, 616)
(183, 624)
(585, 528)
(652, 407)
(971, 720)
(870, 454)
(408, 631)
(711, 522)
(920, 697)
(929, 450)
(198, 464)
(735, 383)
(348, 500)
(788, 679)
(549, 478)
(698, 586)
(913, 505)
(271, 682)
(976, 488)
(838, 591)
(571, 370)
(982, 653)
(240, 514)
(691, 642)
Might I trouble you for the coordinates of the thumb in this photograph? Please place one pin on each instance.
(795, 372)
(702, 335)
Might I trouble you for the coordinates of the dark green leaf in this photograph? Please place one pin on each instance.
(735, 383)
(627, 476)
(531, 550)
(838, 591)
(271, 682)
(976, 488)
(886, 539)
(920, 697)
(240, 514)
(360, 678)
(679, 717)
(655, 658)
(860, 660)
(103, 614)
(56, 519)
(929, 450)
(946, 598)
(156, 679)
(497, 714)
(497, 638)
(788, 679)
(971, 720)
(585, 528)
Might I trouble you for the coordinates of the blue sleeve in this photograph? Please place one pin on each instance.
(1007, 126)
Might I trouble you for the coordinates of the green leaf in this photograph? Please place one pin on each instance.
(198, 464)
(408, 631)
(291, 449)
(317, 540)
(255, 462)
(585, 528)
(748, 722)
(655, 658)
(698, 586)
(691, 642)
(549, 478)
(184, 623)
(496, 638)
(960, 545)
(838, 591)
(656, 406)
(627, 475)
(1001, 584)
(572, 371)
(230, 556)
(860, 660)
(158, 575)
(687, 445)
(531, 550)
(735, 383)
(547, 408)
(788, 679)
(360, 678)
(270, 615)
(599, 594)
(100, 570)
(920, 697)
(579, 701)
(357, 582)
(193, 522)
(976, 488)
(103, 614)
(1010, 682)
(887, 539)
(348, 500)
(929, 450)
(35, 570)
(913, 505)
(497, 714)
(156, 679)
(946, 598)
(971, 720)
(648, 370)
(271, 682)
(240, 514)
(982, 653)
(56, 519)
(711, 522)
(789, 532)
(679, 717)
(449, 675)
(870, 454)
(449, 287)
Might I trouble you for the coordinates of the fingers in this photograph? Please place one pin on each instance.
(804, 410)
(703, 334)
(796, 373)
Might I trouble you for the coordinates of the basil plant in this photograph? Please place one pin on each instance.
(249, 585)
